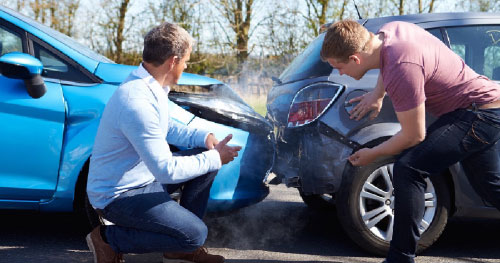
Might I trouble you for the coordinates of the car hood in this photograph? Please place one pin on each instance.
(217, 102)
(116, 73)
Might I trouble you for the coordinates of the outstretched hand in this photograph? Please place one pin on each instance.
(368, 103)
(364, 156)
(227, 153)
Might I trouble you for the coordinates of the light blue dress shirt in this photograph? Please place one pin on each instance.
(131, 148)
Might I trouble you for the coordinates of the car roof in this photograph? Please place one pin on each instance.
(438, 19)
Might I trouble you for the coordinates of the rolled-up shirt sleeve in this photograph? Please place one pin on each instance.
(141, 125)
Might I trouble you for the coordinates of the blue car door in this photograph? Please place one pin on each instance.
(31, 134)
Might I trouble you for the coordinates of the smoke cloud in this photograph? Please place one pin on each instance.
(257, 227)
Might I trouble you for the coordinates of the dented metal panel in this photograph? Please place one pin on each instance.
(217, 103)
(220, 103)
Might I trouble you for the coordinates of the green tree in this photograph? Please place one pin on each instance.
(481, 5)
(320, 12)
(108, 32)
(238, 13)
(189, 15)
(430, 6)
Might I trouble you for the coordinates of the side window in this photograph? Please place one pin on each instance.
(492, 62)
(57, 68)
(436, 32)
(9, 41)
(479, 47)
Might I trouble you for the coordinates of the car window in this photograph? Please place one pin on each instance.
(436, 32)
(308, 64)
(492, 62)
(55, 67)
(9, 41)
(479, 47)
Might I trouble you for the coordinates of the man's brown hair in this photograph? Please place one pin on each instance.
(343, 39)
(164, 41)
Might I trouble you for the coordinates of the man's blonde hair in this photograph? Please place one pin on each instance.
(343, 39)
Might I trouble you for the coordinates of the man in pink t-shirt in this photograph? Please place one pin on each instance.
(420, 74)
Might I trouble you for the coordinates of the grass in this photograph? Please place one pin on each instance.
(257, 102)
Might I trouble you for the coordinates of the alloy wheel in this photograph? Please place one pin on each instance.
(376, 203)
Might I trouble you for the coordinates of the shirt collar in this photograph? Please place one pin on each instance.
(155, 86)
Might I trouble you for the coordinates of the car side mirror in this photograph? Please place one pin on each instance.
(17, 65)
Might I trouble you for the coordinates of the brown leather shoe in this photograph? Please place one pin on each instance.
(103, 253)
(198, 256)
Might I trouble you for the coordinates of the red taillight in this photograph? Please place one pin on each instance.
(310, 102)
(307, 111)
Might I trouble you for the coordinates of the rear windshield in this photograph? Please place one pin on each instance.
(308, 64)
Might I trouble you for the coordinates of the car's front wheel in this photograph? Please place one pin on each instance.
(365, 207)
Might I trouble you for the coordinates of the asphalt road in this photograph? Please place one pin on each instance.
(279, 229)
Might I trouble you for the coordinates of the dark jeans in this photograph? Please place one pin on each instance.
(148, 220)
(466, 136)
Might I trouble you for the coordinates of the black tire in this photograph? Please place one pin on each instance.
(324, 202)
(350, 206)
(93, 219)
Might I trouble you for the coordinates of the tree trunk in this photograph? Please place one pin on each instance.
(316, 14)
(431, 6)
(342, 9)
(120, 28)
(242, 29)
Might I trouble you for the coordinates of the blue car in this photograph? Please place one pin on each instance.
(52, 94)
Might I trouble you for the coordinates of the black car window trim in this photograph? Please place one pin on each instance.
(18, 31)
(32, 38)
(446, 38)
(68, 82)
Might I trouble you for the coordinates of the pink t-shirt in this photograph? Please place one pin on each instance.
(417, 67)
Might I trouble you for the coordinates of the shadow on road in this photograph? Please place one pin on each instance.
(34, 237)
(281, 228)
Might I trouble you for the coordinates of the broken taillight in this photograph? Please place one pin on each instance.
(310, 102)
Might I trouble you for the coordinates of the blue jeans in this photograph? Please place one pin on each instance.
(466, 136)
(148, 220)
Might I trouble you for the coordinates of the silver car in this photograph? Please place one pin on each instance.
(308, 107)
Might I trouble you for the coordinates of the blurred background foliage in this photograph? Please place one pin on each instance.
(241, 42)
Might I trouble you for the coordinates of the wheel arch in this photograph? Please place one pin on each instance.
(81, 187)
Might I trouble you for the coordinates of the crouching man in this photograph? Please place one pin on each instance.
(132, 170)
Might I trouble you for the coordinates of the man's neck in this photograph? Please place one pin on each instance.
(377, 44)
(157, 72)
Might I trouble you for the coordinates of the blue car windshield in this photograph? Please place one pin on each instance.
(70, 42)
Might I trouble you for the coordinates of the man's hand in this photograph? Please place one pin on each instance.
(362, 157)
(227, 153)
(211, 141)
(369, 102)
(412, 133)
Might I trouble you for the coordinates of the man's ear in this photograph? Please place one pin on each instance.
(356, 58)
(170, 63)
